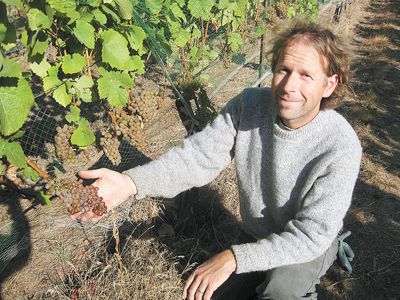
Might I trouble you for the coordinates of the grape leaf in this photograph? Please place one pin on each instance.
(40, 46)
(111, 13)
(154, 6)
(61, 96)
(83, 86)
(112, 86)
(30, 173)
(177, 12)
(8, 34)
(37, 19)
(10, 68)
(63, 6)
(17, 3)
(235, 41)
(40, 69)
(52, 80)
(182, 37)
(73, 115)
(136, 36)
(73, 63)
(2, 169)
(15, 104)
(1, 60)
(125, 8)
(200, 9)
(99, 16)
(137, 64)
(15, 155)
(3, 31)
(82, 137)
(115, 50)
(84, 32)
(94, 3)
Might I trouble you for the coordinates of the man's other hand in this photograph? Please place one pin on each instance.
(207, 277)
(114, 188)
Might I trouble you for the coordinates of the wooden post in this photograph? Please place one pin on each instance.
(262, 68)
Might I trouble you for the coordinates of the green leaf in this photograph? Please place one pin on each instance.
(30, 173)
(136, 36)
(177, 12)
(15, 104)
(73, 115)
(50, 82)
(46, 199)
(182, 38)
(137, 64)
(15, 155)
(84, 32)
(200, 8)
(154, 6)
(10, 68)
(1, 60)
(115, 50)
(260, 31)
(112, 86)
(8, 33)
(94, 3)
(63, 6)
(16, 135)
(235, 41)
(61, 96)
(82, 137)
(40, 46)
(125, 8)
(2, 168)
(113, 15)
(73, 63)
(40, 69)
(24, 38)
(83, 86)
(3, 31)
(99, 16)
(17, 3)
(38, 20)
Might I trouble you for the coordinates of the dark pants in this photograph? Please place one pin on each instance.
(284, 283)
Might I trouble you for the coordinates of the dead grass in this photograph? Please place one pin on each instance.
(152, 253)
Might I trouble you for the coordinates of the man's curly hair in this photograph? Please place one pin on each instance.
(335, 52)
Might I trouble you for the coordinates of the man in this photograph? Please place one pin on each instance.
(297, 161)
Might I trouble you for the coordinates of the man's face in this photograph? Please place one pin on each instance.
(299, 83)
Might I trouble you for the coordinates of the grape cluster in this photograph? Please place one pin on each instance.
(79, 198)
(145, 105)
(130, 127)
(110, 144)
(64, 150)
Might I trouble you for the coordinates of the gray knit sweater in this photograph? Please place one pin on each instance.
(295, 186)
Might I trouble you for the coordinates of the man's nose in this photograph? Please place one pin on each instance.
(291, 83)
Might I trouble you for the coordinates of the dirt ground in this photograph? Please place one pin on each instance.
(162, 240)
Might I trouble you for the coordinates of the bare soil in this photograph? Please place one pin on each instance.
(161, 240)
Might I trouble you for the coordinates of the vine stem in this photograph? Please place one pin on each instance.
(113, 120)
(88, 62)
(41, 173)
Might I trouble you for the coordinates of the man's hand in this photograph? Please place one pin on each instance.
(202, 283)
(114, 188)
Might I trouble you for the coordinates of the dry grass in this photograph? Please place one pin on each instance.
(162, 240)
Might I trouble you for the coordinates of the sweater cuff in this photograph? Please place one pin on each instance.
(140, 179)
(246, 259)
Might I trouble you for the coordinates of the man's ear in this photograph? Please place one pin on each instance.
(331, 85)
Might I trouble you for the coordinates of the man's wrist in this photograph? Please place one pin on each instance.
(131, 185)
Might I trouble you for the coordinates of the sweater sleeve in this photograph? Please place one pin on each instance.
(316, 224)
(198, 161)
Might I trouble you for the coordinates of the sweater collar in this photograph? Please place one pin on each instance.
(303, 132)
